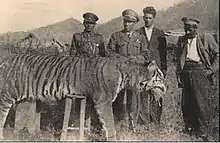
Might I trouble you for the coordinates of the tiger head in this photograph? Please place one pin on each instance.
(151, 77)
(143, 76)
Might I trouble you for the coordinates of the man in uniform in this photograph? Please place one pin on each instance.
(150, 108)
(197, 63)
(88, 43)
(127, 42)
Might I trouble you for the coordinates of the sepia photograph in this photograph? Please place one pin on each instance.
(118, 70)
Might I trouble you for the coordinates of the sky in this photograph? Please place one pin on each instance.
(21, 15)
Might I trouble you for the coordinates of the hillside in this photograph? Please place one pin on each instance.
(171, 18)
(205, 10)
(62, 31)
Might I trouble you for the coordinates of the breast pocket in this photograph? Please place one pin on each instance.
(84, 46)
(96, 47)
(137, 47)
(121, 48)
(121, 44)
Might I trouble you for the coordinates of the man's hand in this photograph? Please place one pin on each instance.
(208, 73)
(179, 81)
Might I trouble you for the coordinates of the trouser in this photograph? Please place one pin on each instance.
(198, 99)
(125, 107)
(139, 107)
(149, 109)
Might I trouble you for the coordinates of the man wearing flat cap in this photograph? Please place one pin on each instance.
(88, 43)
(197, 64)
(127, 42)
(150, 109)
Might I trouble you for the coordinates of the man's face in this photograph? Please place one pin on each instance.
(148, 19)
(190, 30)
(128, 25)
(89, 26)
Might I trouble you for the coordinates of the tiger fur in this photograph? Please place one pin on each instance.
(50, 78)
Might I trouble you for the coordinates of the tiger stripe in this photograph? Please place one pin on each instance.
(49, 78)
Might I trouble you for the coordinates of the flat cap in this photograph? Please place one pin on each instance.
(130, 15)
(90, 17)
(189, 20)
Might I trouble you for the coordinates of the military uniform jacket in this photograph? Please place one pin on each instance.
(87, 44)
(121, 44)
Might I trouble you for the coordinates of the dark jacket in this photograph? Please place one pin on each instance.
(121, 44)
(207, 48)
(157, 47)
(87, 44)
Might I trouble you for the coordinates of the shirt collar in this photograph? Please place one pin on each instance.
(149, 28)
(128, 33)
(192, 39)
(89, 33)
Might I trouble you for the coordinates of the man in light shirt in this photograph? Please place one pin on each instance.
(155, 39)
(197, 63)
(150, 109)
(192, 53)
